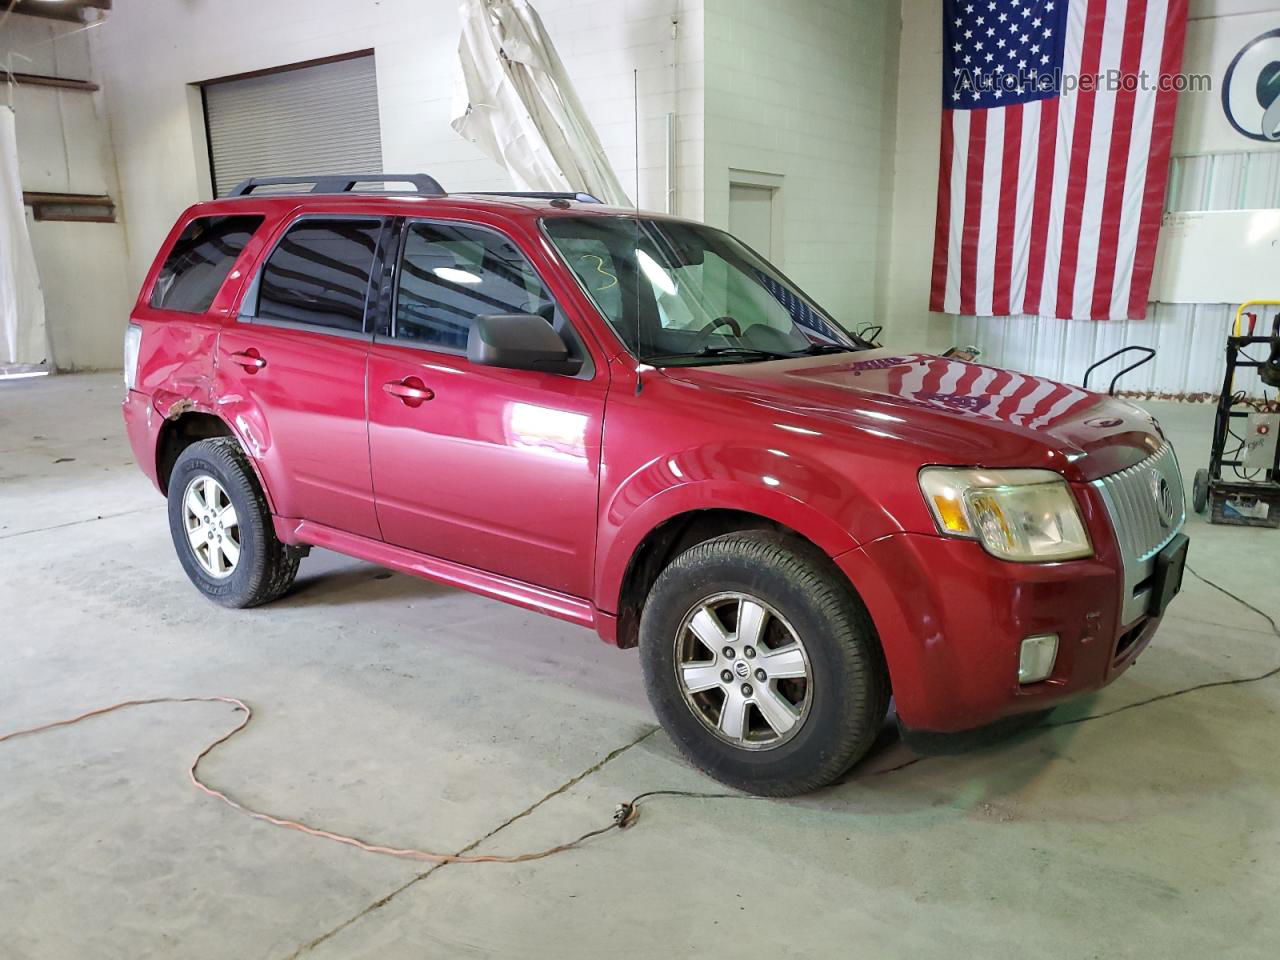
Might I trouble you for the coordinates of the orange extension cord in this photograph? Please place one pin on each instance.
(624, 817)
(626, 813)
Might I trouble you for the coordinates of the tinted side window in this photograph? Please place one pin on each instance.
(319, 273)
(451, 274)
(200, 260)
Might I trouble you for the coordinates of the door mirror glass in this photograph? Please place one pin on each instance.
(519, 341)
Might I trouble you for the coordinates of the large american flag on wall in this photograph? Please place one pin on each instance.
(1051, 188)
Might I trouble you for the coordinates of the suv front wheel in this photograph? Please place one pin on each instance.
(762, 664)
(222, 529)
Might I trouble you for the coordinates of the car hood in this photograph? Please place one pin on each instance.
(950, 411)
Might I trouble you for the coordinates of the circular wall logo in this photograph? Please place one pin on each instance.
(1251, 89)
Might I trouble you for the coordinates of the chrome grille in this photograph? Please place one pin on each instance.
(1133, 500)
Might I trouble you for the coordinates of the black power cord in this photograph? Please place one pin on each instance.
(1199, 686)
(627, 812)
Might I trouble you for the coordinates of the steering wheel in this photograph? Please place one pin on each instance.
(704, 335)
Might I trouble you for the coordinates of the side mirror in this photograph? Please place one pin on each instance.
(519, 341)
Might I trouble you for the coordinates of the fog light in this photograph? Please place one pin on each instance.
(1035, 661)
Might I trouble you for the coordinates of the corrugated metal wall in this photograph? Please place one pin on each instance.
(1224, 181)
(1189, 338)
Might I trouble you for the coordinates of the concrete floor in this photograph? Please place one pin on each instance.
(414, 715)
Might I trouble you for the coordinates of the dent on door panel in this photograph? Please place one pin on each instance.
(175, 362)
(303, 416)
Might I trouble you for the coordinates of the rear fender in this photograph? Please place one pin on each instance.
(175, 360)
(243, 420)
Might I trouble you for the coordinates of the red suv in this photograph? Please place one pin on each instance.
(634, 423)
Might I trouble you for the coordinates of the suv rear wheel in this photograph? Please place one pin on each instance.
(762, 664)
(222, 528)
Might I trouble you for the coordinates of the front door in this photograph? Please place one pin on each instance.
(297, 358)
(494, 469)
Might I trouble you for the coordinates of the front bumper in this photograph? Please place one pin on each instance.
(951, 619)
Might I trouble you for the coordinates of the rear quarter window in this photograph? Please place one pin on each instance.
(199, 262)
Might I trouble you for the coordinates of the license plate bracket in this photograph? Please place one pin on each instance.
(1166, 581)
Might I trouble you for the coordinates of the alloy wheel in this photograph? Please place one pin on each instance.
(213, 529)
(743, 671)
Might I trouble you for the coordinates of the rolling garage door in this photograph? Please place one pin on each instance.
(318, 118)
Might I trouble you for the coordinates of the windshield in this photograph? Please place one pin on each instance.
(683, 293)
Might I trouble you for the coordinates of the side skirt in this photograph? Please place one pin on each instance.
(539, 599)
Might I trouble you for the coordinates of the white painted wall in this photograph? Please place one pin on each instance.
(803, 91)
(64, 146)
(151, 52)
(908, 322)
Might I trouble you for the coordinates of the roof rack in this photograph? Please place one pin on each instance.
(536, 195)
(342, 182)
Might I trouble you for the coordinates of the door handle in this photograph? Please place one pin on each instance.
(249, 359)
(410, 391)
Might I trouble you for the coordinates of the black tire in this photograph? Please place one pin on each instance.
(266, 567)
(847, 697)
(1200, 491)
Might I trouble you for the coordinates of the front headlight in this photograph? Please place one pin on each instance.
(1023, 515)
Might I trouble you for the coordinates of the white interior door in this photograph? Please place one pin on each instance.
(751, 217)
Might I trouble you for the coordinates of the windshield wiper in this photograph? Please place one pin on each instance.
(819, 348)
(715, 352)
(744, 352)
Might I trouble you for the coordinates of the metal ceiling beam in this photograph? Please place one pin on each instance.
(65, 83)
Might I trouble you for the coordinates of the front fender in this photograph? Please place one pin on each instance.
(808, 497)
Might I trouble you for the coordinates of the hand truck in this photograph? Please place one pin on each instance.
(1251, 496)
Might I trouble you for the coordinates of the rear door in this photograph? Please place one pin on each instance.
(494, 469)
(298, 358)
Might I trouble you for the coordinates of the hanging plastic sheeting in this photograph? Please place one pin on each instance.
(25, 346)
(515, 101)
